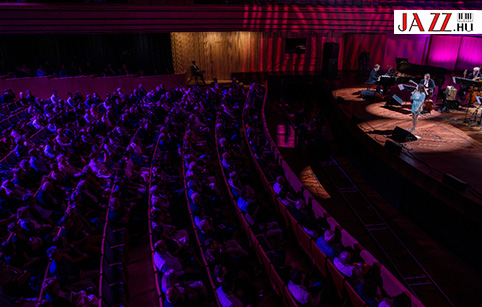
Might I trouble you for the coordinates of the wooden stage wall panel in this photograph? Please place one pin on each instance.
(221, 53)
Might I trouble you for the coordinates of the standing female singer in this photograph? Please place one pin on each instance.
(418, 97)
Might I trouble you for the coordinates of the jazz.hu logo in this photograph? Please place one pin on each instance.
(435, 22)
(465, 21)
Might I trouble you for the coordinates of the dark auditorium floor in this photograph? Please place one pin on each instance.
(461, 282)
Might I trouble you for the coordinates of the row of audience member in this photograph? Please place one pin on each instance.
(366, 279)
(54, 201)
(67, 70)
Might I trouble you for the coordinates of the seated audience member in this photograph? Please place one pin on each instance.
(192, 290)
(368, 292)
(119, 215)
(31, 225)
(46, 198)
(352, 271)
(164, 261)
(226, 295)
(326, 244)
(279, 184)
(37, 163)
(259, 225)
(14, 283)
(302, 294)
(61, 297)
(69, 275)
(245, 198)
(401, 300)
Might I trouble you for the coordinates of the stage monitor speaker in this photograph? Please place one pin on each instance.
(454, 182)
(393, 147)
(367, 94)
(395, 100)
(401, 135)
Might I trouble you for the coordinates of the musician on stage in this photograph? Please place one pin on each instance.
(465, 89)
(428, 84)
(418, 98)
(373, 78)
(196, 71)
(475, 74)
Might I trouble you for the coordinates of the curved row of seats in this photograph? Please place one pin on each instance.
(199, 246)
(152, 238)
(113, 275)
(112, 286)
(265, 240)
(229, 266)
(306, 241)
(258, 242)
(171, 220)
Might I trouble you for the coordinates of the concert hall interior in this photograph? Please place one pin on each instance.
(240, 153)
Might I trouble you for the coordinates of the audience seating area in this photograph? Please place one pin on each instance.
(74, 187)
(84, 179)
(247, 202)
(299, 215)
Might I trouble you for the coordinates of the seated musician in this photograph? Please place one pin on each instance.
(466, 89)
(429, 85)
(373, 78)
(197, 72)
(475, 74)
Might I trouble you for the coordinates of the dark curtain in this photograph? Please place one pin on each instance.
(147, 54)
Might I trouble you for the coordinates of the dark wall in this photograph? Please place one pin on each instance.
(150, 53)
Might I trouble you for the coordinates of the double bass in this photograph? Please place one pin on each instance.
(473, 91)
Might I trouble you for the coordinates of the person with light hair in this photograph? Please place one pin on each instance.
(475, 74)
(352, 271)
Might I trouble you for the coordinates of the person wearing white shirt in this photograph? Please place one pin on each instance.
(164, 261)
(226, 296)
(278, 186)
(343, 264)
(55, 97)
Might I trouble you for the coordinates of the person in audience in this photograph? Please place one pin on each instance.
(7, 97)
(60, 297)
(69, 275)
(301, 293)
(226, 295)
(164, 261)
(259, 225)
(368, 292)
(326, 244)
(191, 290)
(245, 198)
(354, 272)
(37, 162)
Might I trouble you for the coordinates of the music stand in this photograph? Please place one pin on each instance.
(478, 108)
(466, 82)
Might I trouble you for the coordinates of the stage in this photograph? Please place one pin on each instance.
(446, 145)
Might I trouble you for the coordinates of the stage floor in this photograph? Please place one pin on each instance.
(446, 144)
